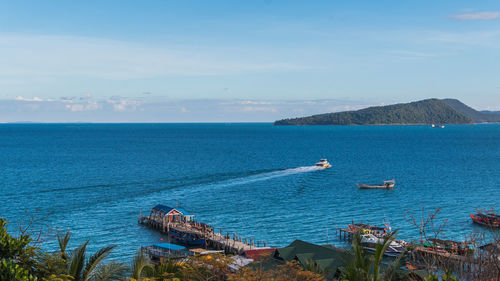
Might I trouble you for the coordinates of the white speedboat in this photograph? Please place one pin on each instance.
(370, 241)
(437, 126)
(323, 163)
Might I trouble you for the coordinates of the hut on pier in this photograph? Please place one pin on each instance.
(162, 212)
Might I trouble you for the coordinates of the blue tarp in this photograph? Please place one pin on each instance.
(167, 209)
(168, 246)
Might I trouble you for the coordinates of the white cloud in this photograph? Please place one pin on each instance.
(88, 106)
(20, 98)
(120, 104)
(122, 109)
(476, 16)
(85, 97)
(75, 107)
(254, 102)
(67, 99)
(258, 109)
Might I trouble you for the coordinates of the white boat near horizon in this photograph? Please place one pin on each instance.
(323, 163)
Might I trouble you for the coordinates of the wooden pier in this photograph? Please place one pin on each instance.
(346, 234)
(230, 243)
(425, 256)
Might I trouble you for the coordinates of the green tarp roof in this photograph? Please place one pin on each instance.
(304, 252)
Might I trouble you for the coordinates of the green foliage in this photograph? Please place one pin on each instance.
(9, 270)
(141, 267)
(111, 271)
(446, 277)
(430, 111)
(17, 258)
(63, 244)
(82, 269)
(478, 116)
(366, 267)
(170, 270)
(19, 261)
(290, 271)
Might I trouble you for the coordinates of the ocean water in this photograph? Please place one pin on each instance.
(253, 179)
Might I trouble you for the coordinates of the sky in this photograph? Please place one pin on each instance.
(240, 61)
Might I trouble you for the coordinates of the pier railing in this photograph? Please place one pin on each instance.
(229, 242)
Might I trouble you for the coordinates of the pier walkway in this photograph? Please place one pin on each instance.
(229, 242)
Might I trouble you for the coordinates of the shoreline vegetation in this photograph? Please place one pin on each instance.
(424, 112)
(21, 259)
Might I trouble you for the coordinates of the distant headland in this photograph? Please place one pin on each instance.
(429, 111)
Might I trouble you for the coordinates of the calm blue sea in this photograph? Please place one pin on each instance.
(253, 179)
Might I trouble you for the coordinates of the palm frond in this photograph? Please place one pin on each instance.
(63, 244)
(110, 271)
(141, 266)
(95, 260)
(77, 261)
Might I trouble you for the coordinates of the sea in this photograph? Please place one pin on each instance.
(253, 179)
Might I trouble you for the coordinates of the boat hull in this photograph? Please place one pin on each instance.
(185, 239)
(480, 221)
(386, 253)
(366, 186)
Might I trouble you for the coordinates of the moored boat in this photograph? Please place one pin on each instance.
(447, 246)
(486, 218)
(437, 126)
(386, 185)
(323, 163)
(371, 229)
(369, 242)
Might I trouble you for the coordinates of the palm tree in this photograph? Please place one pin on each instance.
(361, 265)
(111, 271)
(170, 269)
(141, 266)
(83, 269)
(63, 244)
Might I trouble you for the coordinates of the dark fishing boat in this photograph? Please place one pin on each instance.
(186, 237)
(486, 218)
(447, 246)
(386, 185)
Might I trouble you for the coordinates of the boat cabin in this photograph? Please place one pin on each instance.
(390, 183)
(172, 214)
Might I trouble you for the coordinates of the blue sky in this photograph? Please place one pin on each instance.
(135, 60)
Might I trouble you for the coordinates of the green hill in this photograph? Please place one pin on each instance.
(430, 111)
(477, 116)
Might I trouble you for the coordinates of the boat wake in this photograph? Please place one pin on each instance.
(271, 175)
(252, 178)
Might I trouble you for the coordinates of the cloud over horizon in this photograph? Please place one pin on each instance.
(476, 16)
(122, 109)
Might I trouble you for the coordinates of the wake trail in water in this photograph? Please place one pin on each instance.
(271, 175)
(190, 188)
(256, 178)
